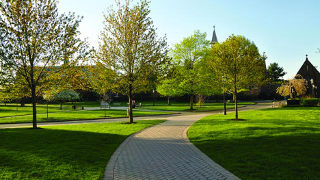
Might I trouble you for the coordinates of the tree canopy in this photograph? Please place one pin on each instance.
(37, 42)
(296, 87)
(275, 72)
(131, 48)
(238, 65)
(188, 68)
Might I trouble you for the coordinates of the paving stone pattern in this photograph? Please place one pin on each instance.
(164, 152)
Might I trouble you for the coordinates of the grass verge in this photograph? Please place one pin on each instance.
(77, 115)
(186, 107)
(268, 144)
(62, 152)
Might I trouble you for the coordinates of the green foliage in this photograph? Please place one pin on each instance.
(264, 144)
(37, 42)
(309, 102)
(189, 75)
(293, 102)
(275, 72)
(66, 95)
(102, 80)
(167, 88)
(130, 47)
(238, 65)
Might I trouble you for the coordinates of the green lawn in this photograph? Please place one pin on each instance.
(268, 144)
(12, 109)
(186, 106)
(62, 152)
(78, 115)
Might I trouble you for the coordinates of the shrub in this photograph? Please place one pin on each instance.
(293, 102)
(309, 102)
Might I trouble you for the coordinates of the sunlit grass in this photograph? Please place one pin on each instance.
(78, 115)
(268, 144)
(186, 106)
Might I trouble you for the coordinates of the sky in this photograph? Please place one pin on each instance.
(286, 30)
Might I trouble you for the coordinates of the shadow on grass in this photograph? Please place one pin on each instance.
(52, 153)
(268, 157)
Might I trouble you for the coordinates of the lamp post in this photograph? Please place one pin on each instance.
(153, 103)
(224, 96)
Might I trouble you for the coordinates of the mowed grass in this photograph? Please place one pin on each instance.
(267, 144)
(12, 109)
(17, 110)
(62, 152)
(197, 108)
(78, 115)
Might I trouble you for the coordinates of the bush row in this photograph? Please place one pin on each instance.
(304, 102)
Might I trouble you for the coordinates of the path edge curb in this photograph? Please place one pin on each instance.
(109, 170)
(206, 158)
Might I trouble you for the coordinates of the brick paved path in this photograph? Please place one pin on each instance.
(164, 152)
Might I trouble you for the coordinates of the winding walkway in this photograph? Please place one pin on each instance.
(164, 152)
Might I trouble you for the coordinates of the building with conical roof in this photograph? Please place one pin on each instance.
(312, 75)
(214, 36)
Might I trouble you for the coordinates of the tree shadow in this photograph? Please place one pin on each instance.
(277, 155)
(54, 153)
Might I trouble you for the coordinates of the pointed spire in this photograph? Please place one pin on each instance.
(214, 36)
(307, 57)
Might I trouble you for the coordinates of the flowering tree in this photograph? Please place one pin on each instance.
(66, 96)
(296, 87)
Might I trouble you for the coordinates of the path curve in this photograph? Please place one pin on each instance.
(164, 152)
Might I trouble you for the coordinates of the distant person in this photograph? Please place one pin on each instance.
(133, 104)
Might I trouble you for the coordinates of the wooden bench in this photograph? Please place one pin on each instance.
(116, 104)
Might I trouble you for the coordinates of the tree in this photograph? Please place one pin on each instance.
(102, 80)
(37, 42)
(66, 96)
(238, 61)
(130, 47)
(296, 87)
(186, 79)
(275, 72)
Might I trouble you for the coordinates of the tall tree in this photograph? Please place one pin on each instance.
(238, 62)
(130, 47)
(275, 72)
(187, 56)
(37, 41)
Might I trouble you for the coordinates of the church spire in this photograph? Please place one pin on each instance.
(214, 36)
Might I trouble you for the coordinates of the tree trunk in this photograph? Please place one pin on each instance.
(153, 99)
(34, 106)
(47, 110)
(235, 97)
(236, 105)
(130, 105)
(168, 100)
(191, 102)
(224, 104)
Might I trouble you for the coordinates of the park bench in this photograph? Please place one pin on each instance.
(104, 104)
(116, 104)
(139, 105)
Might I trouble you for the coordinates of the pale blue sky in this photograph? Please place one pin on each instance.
(286, 30)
